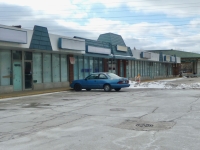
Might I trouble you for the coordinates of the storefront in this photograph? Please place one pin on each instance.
(37, 60)
(95, 58)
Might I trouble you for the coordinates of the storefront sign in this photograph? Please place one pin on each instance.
(173, 59)
(72, 60)
(122, 48)
(11, 35)
(72, 44)
(99, 50)
(146, 55)
(167, 58)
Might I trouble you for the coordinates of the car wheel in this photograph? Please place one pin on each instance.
(77, 87)
(117, 89)
(107, 88)
(88, 89)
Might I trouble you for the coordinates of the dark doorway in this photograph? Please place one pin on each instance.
(28, 75)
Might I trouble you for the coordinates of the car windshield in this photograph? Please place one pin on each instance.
(113, 76)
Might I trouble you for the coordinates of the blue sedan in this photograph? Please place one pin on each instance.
(101, 80)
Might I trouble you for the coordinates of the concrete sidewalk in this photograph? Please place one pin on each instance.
(31, 92)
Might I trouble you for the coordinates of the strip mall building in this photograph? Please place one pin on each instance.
(37, 60)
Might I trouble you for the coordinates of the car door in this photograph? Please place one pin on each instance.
(101, 80)
(91, 81)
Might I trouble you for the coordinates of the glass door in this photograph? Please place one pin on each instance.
(28, 74)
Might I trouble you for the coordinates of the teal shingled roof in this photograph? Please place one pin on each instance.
(112, 38)
(181, 54)
(106, 44)
(40, 39)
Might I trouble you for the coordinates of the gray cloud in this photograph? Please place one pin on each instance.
(150, 38)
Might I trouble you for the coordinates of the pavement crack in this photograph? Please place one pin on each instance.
(154, 109)
(194, 101)
(148, 113)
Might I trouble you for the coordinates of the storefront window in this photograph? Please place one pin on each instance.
(47, 67)
(56, 67)
(155, 69)
(129, 69)
(64, 76)
(144, 68)
(91, 64)
(86, 67)
(76, 68)
(5, 68)
(96, 65)
(148, 68)
(28, 56)
(151, 69)
(110, 65)
(100, 65)
(170, 69)
(114, 66)
(37, 67)
(133, 69)
(17, 55)
(136, 68)
(121, 69)
(81, 68)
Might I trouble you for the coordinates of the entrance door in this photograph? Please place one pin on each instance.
(28, 75)
(17, 76)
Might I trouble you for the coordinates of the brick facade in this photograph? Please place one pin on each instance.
(71, 69)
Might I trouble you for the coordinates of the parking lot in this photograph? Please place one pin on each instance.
(132, 119)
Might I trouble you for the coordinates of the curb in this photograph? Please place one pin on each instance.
(28, 93)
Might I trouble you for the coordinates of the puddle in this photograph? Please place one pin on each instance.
(117, 109)
(34, 105)
(145, 125)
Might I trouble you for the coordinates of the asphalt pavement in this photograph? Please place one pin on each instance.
(132, 119)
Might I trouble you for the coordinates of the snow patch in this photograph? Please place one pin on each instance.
(163, 84)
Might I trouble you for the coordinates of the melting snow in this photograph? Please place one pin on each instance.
(166, 84)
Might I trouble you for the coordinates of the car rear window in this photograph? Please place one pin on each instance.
(113, 76)
(93, 76)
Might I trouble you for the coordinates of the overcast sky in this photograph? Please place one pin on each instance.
(143, 24)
